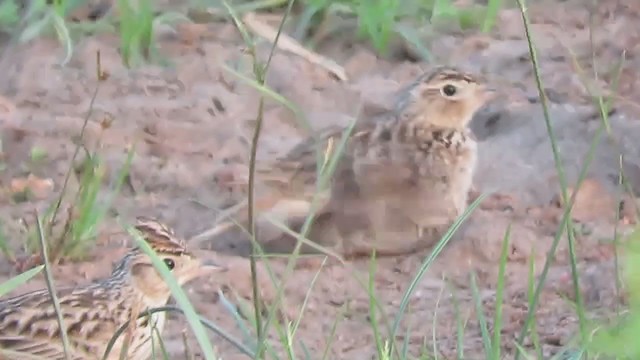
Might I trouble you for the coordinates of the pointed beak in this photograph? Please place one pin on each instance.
(209, 266)
(489, 92)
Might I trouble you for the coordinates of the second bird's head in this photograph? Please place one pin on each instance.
(447, 97)
(184, 265)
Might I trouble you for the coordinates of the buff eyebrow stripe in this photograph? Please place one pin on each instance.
(457, 76)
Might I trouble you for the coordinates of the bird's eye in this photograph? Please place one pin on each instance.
(449, 90)
(170, 263)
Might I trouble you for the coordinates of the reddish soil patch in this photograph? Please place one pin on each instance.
(191, 122)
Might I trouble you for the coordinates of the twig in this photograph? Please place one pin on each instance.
(212, 232)
(288, 43)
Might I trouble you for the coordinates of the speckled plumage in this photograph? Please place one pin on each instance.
(405, 175)
(406, 179)
(92, 313)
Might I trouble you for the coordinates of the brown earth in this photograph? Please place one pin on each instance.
(191, 122)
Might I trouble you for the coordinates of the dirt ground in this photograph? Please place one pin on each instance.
(191, 123)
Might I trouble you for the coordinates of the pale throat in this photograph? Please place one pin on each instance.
(455, 122)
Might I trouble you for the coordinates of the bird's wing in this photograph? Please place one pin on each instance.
(298, 169)
(29, 347)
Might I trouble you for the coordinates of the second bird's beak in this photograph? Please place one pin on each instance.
(489, 92)
(209, 266)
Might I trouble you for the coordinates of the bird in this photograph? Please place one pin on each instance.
(404, 175)
(93, 313)
(405, 180)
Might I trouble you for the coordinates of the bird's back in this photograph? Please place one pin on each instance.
(91, 316)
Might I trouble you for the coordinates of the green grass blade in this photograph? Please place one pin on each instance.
(332, 333)
(35, 29)
(19, 280)
(63, 35)
(459, 326)
(493, 8)
(531, 302)
(497, 321)
(430, 259)
(371, 290)
(233, 310)
(482, 321)
(266, 91)
(206, 323)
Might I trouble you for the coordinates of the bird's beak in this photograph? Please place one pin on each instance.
(489, 92)
(209, 266)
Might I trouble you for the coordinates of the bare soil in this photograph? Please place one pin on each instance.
(190, 124)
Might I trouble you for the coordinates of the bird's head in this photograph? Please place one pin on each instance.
(446, 97)
(174, 255)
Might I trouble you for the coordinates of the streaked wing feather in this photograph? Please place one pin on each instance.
(28, 346)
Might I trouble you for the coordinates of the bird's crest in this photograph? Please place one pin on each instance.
(160, 237)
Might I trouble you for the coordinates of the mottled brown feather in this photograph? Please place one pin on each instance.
(93, 312)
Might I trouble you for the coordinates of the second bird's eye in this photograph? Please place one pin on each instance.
(449, 90)
(170, 263)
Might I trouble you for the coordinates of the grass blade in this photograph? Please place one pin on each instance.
(18, 280)
(477, 300)
(430, 259)
(52, 290)
(497, 321)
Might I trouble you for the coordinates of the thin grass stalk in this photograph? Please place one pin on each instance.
(543, 101)
(430, 259)
(288, 341)
(616, 234)
(434, 324)
(604, 107)
(567, 222)
(233, 309)
(497, 321)
(575, 279)
(332, 333)
(283, 330)
(52, 289)
(260, 74)
(405, 343)
(323, 179)
(302, 240)
(307, 296)
(100, 77)
(251, 182)
(307, 354)
(564, 223)
(535, 339)
(482, 321)
(206, 323)
(459, 326)
(163, 348)
(372, 309)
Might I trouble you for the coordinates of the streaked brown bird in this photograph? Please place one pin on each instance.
(405, 174)
(92, 313)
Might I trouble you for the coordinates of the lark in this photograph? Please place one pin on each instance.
(404, 175)
(93, 313)
(405, 179)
